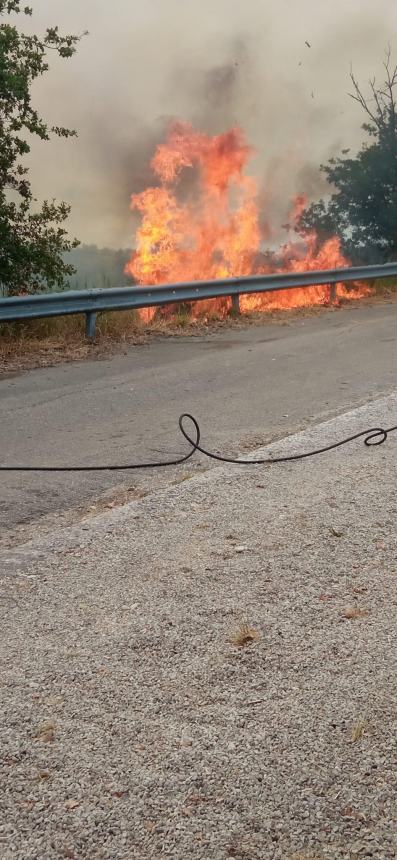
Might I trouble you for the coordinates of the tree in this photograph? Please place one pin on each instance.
(363, 209)
(32, 239)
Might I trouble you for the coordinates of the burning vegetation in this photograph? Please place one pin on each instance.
(202, 221)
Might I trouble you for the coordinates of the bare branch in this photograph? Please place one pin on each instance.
(379, 103)
(390, 83)
(381, 106)
(359, 97)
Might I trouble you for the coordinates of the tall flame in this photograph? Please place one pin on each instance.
(201, 221)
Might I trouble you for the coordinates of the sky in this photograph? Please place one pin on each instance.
(216, 63)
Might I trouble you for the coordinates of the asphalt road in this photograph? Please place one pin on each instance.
(245, 385)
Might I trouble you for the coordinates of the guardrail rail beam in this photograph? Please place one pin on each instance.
(92, 302)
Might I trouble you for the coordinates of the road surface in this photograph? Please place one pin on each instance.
(246, 386)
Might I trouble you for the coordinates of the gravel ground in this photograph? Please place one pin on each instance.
(136, 723)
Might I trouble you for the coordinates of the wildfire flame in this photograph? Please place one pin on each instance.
(202, 221)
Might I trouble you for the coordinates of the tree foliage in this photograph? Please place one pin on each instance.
(362, 211)
(33, 239)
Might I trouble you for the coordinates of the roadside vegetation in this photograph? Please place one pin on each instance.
(42, 343)
(33, 238)
(36, 252)
(361, 208)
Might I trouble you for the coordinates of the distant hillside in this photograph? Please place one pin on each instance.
(98, 268)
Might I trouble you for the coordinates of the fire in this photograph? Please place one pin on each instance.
(201, 221)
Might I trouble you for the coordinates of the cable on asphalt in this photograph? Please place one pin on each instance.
(372, 437)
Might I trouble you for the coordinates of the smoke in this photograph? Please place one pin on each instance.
(217, 64)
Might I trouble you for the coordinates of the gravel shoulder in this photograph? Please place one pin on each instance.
(135, 721)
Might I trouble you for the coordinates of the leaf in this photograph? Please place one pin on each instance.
(67, 852)
(44, 774)
(72, 804)
(46, 732)
(353, 612)
(349, 812)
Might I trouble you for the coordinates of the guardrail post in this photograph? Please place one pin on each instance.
(332, 293)
(90, 323)
(236, 303)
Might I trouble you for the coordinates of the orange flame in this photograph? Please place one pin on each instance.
(201, 221)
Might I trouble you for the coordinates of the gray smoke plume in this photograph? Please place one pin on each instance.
(217, 64)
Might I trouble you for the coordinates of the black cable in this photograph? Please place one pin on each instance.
(373, 436)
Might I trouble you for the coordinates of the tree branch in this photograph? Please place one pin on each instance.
(381, 107)
(359, 97)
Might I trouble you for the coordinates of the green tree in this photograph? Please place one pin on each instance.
(362, 211)
(32, 239)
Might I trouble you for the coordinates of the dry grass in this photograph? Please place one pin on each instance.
(186, 476)
(385, 286)
(244, 636)
(47, 342)
(305, 855)
(359, 730)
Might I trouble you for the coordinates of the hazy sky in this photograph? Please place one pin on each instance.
(216, 63)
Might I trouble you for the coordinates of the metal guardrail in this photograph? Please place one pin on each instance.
(91, 302)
